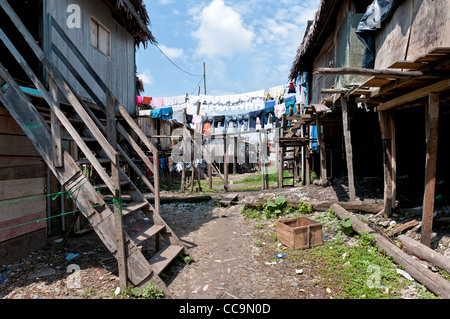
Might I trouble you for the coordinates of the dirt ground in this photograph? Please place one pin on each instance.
(226, 262)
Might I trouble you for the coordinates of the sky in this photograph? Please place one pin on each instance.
(246, 45)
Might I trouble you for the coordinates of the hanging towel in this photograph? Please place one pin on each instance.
(196, 119)
(289, 102)
(158, 102)
(276, 92)
(147, 100)
(206, 128)
(166, 113)
(270, 103)
(156, 113)
(280, 110)
(139, 100)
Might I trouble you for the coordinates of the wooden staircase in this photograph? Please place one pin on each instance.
(104, 147)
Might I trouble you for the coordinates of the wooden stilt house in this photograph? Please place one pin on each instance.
(67, 106)
(403, 76)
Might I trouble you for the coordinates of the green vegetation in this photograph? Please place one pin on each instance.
(353, 269)
(149, 292)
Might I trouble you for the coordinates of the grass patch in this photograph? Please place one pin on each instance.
(357, 272)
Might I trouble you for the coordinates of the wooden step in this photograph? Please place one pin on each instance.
(86, 161)
(164, 257)
(133, 207)
(146, 233)
(86, 139)
(103, 186)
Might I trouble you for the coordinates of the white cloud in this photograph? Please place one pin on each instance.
(165, 2)
(221, 32)
(172, 53)
(146, 78)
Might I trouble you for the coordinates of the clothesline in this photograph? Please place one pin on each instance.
(216, 105)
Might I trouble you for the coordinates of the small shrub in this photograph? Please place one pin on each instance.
(346, 225)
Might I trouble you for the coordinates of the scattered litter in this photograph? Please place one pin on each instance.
(344, 255)
(299, 271)
(59, 240)
(136, 229)
(205, 288)
(71, 256)
(328, 290)
(280, 255)
(270, 263)
(405, 274)
(117, 291)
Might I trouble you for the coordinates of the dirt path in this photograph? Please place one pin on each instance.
(227, 263)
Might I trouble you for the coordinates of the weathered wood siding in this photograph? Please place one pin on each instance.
(415, 28)
(22, 175)
(118, 71)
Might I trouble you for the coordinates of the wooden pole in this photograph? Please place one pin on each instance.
(261, 161)
(386, 136)
(115, 172)
(430, 167)
(225, 163)
(322, 151)
(394, 162)
(348, 148)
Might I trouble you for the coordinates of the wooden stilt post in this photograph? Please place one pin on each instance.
(393, 162)
(432, 125)
(278, 149)
(261, 161)
(386, 136)
(323, 155)
(225, 162)
(235, 155)
(115, 176)
(348, 148)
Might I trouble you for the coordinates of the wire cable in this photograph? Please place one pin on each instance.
(177, 65)
(198, 85)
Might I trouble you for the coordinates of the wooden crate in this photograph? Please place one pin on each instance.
(299, 232)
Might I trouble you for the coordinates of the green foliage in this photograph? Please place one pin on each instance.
(304, 207)
(148, 292)
(346, 225)
(277, 208)
(313, 176)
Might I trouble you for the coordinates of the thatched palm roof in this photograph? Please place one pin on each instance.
(134, 17)
(315, 31)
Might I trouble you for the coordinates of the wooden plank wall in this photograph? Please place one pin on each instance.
(22, 175)
(118, 71)
(415, 28)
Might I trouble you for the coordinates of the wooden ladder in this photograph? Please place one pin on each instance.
(99, 145)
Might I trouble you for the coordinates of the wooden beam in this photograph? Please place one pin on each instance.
(56, 129)
(386, 136)
(115, 169)
(348, 148)
(333, 91)
(370, 72)
(432, 125)
(415, 95)
(415, 248)
(434, 282)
